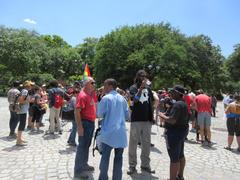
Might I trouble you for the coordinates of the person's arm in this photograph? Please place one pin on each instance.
(77, 112)
(102, 108)
(126, 110)
(172, 118)
(78, 120)
(136, 93)
(228, 109)
(23, 97)
(167, 119)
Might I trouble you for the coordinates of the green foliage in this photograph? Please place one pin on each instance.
(233, 64)
(167, 55)
(40, 78)
(164, 52)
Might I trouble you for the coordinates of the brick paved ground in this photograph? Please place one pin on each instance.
(49, 157)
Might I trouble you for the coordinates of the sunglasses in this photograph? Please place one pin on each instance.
(93, 83)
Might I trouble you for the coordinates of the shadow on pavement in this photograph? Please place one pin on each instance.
(14, 148)
(7, 138)
(191, 141)
(143, 176)
(156, 150)
(90, 176)
(208, 147)
(153, 133)
(153, 149)
(236, 152)
(50, 136)
(68, 150)
(35, 132)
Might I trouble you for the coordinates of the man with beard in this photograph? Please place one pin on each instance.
(141, 122)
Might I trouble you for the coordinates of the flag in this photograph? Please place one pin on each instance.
(86, 72)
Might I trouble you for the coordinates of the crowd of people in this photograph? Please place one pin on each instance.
(83, 103)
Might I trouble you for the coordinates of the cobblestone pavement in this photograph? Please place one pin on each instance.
(49, 157)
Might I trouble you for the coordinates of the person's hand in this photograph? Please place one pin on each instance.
(80, 130)
(162, 115)
(143, 85)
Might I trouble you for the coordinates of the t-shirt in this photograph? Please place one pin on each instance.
(36, 97)
(24, 107)
(87, 103)
(12, 93)
(203, 103)
(51, 95)
(142, 109)
(179, 112)
(188, 101)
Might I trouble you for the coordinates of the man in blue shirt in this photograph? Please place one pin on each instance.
(113, 108)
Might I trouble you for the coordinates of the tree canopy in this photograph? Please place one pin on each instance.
(168, 55)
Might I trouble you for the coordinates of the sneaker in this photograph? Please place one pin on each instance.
(88, 168)
(71, 143)
(13, 135)
(39, 131)
(41, 125)
(179, 178)
(60, 132)
(193, 130)
(21, 144)
(80, 176)
(131, 170)
(228, 148)
(210, 144)
(148, 169)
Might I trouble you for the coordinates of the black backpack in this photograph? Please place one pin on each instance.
(96, 145)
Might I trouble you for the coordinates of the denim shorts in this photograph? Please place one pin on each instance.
(204, 119)
(175, 143)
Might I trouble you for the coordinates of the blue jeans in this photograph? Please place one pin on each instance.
(84, 143)
(117, 165)
(73, 133)
(13, 121)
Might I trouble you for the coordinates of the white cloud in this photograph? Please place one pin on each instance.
(30, 21)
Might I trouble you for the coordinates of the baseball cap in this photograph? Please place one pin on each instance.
(179, 89)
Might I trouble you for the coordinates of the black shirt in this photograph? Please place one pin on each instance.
(142, 108)
(179, 112)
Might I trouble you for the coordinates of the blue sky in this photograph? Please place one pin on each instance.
(75, 20)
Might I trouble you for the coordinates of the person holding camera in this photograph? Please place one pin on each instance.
(176, 125)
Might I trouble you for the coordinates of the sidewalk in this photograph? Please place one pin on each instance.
(49, 157)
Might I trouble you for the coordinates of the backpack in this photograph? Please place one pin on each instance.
(96, 144)
(58, 101)
(15, 107)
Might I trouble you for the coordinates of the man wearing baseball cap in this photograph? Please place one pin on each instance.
(176, 125)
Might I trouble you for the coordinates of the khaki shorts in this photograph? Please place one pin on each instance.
(204, 119)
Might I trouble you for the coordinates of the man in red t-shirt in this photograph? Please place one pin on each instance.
(203, 104)
(85, 115)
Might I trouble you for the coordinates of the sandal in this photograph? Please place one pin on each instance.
(228, 148)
